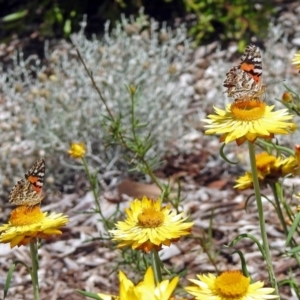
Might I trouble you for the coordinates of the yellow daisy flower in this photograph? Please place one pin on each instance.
(229, 285)
(244, 182)
(149, 226)
(248, 120)
(147, 289)
(29, 223)
(77, 150)
(284, 167)
(296, 60)
(269, 169)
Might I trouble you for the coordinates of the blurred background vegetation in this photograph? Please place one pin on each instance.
(207, 20)
(47, 99)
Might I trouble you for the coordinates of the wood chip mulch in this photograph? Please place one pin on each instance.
(81, 259)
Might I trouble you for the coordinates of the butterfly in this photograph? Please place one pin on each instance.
(28, 191)
(244, 81)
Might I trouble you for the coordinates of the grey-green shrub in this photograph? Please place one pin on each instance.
(46, 106)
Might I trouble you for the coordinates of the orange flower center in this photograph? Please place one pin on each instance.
(26, 215)
(232, 284)
(151, 218)
(265, 161)
(248, 110)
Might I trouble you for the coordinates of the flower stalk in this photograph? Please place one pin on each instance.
(94, 185)
(156, 263)
(136, 145)
(277, 193)
(267, 254)
(34, 269)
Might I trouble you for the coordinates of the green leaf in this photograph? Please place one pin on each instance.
(58, 15)
(8, 279)
(67, 27)
(222, 154)
(89, 294)
(243, 262)
(293, 228)
(294, 250)
(15, 16)
(249, 236)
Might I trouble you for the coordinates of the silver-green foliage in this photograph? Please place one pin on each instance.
(47, 105)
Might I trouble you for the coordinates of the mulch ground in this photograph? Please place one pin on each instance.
(81, 259)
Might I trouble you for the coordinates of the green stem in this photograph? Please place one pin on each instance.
(90, 74)
(264, 144)
(94, 189)
(278, 196)
(92, 184)
(34, 271)
(267, 254)
(276, 192)
(156, 265)
(141, 157)
(125, 145)
(121, 136)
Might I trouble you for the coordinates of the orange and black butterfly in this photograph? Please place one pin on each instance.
(28, 191)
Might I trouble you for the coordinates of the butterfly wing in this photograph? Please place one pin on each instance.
(244, 81)
(28, 191)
